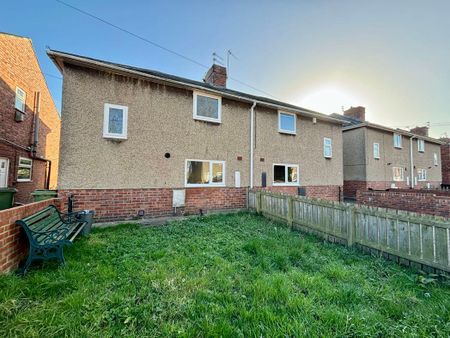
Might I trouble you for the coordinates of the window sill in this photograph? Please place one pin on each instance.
(115, 137)
(205, 119)
(398, 147)
(285, 184)
(287, 132)
(205, 185)
(328, 157)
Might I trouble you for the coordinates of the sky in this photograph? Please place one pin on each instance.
(392, 57)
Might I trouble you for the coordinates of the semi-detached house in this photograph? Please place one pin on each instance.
(378, 157)
(137, 142)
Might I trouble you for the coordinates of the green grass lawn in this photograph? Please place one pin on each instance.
(236, 275)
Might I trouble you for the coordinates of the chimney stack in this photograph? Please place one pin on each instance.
(358, 113)
(422, 131)
(216, 76)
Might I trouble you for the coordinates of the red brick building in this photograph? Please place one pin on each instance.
(29, 121)
(445, 158)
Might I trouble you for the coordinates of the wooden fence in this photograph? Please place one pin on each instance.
(421, 239)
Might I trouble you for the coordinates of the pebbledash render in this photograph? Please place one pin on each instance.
(140, 143)
(378, 157)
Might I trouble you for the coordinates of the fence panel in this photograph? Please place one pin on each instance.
(418, 238)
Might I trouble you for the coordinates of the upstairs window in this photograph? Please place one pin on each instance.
(115, 121)
(327, 147)
(397, 140)
(435, 159)
(285, 174)
(287, 123)
(201, 173)
(24, 169)
(397, 174)
(376, 151)
(207, 107)
(421, 145)
(20, 100)
(422, 174)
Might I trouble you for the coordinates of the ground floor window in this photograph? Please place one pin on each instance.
(397, 174)
(422, 174)
(201, 173)
(24, 169)
(285, 174)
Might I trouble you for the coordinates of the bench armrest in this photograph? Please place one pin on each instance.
(69, 217)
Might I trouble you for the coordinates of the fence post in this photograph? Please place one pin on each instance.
(351, 226)
(258, 201)
(290, 211)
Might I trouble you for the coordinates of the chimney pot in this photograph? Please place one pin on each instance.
(216, 76)
(358, 113)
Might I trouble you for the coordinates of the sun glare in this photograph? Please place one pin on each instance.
(327, 100)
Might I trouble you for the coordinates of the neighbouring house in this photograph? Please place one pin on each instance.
(29, 121)
(445, 158)
(137, 142)
(378, 157)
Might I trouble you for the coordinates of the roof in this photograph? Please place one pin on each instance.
(352, 123)
(60, 58)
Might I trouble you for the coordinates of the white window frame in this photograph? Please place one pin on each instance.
(325, 139)
(435, 159)
(106, 134)
(210, 184)
(403, 174)
(419, 148)
(28, 166)
(203, 118)
(24, 100)
(285, 131)
(6, 171)
(398, 146)
(376, 154)
(421, 175)
(286, 166)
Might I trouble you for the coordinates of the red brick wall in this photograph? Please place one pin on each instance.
(13, 242)
(416, 201)
(445, 158)
(123, 204)
(19, 67)
(351, 187)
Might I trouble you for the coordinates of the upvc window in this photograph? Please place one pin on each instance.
(397, 140)
(397, 174)
(24, 169)
(207, 107)
(285, 174)
(20, 99)
(422, 174)
(421, 145)
(376, 151)
(115, 121)
(435, 159)
(327, 147)
(287, 123)
(200, 173)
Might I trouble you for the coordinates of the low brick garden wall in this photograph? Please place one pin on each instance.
(124, 204)
(13, 242)
(422, 201)
(325, 192)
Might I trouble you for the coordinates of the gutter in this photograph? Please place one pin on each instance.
(54, 55)
(252, 141)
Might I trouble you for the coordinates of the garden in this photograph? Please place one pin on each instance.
(231, 275)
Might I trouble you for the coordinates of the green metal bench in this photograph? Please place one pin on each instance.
(48, 231)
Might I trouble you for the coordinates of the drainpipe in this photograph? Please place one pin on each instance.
(411, 183)
(252, 140)
(34, 145)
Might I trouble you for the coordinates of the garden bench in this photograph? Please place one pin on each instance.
(48, 231)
